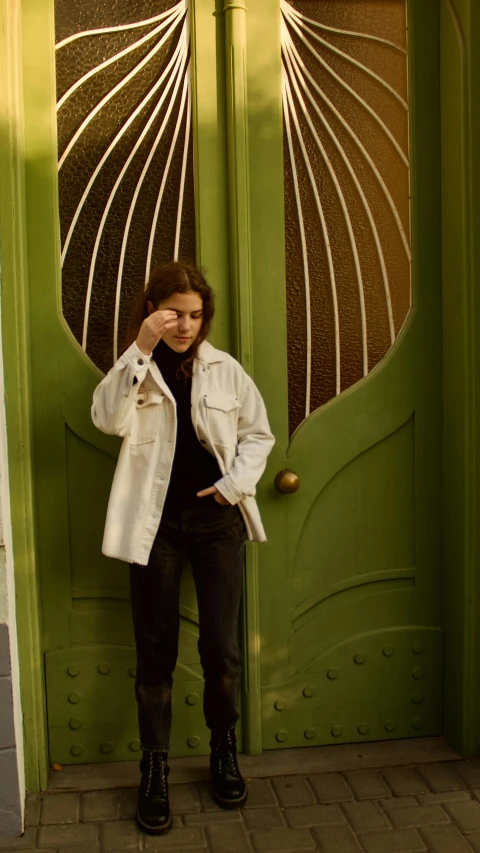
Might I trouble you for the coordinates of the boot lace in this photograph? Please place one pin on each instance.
(157, 778)
(226, 756)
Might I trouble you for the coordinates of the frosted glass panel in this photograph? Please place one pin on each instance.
(346, 191)
(125, 158)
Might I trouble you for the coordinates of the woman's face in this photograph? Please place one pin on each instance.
(189, 310)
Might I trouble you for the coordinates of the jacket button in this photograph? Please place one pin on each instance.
(140, 361)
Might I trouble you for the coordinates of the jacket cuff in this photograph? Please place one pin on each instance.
(228, 490)
(136, 359)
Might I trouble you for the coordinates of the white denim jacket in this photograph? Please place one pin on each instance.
(229, 418)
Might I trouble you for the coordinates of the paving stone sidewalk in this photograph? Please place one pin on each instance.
(427, 807)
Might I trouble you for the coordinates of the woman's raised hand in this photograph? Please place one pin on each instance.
(152, 329)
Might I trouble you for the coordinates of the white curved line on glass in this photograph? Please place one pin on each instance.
(120, 28)
(348, 32)
(386, 286)
(361, 147)
(345, 85)
(133, 205)
(112, 145)
(301, 22)
(323, 222)
(343, 204)
(98, 68)
(177, 72)
(160, 197)
(117, 89)
(303, 241)
(184, 170)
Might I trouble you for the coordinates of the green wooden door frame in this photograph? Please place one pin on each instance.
(460, 78)
(460, 70)
(16, 363)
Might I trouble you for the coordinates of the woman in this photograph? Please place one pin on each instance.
(196, 440)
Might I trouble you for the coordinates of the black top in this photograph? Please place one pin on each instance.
(194, 468)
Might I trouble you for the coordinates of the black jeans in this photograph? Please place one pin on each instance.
(211, 537)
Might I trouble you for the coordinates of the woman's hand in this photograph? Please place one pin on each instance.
(152, 329)
(216, 494)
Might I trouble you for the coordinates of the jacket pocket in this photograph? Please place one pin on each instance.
(146, 417)
(222, 416)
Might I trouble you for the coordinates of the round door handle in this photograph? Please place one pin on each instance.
(287, 482)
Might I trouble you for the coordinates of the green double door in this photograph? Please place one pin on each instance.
(302, 196)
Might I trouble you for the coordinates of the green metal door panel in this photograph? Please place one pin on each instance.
(106, 621)
(378, 684)
(89, 474)
(92, 714)
(353, 562)
(347, 540)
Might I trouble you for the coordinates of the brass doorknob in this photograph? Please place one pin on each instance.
(287, 482)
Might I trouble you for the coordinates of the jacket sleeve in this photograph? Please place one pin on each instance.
(255, 442)
(114, 398)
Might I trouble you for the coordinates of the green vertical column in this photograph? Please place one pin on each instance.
(18, 384)
(241, 285)
(460, 79)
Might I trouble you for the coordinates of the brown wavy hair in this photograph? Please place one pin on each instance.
(164, 281)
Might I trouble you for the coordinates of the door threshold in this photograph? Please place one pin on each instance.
(279, 762)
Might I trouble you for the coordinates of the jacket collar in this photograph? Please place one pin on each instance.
(208, 354)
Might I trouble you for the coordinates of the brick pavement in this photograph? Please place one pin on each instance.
(429, 807)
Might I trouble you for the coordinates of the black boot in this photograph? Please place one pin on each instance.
(153, 812)
(229, 788)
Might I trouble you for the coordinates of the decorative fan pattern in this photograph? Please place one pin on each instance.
(125, 160)
(347, 191)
